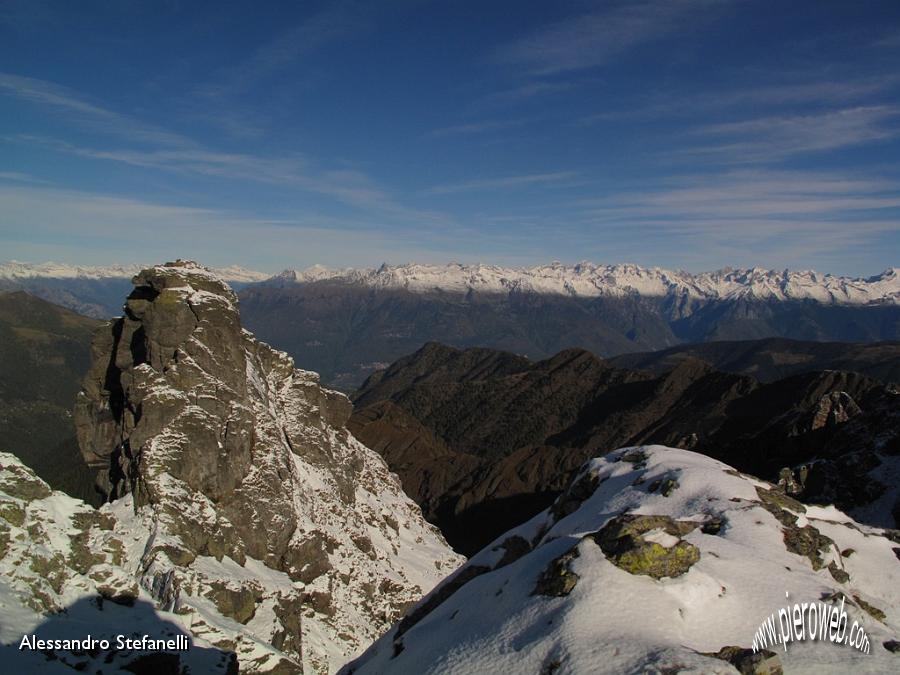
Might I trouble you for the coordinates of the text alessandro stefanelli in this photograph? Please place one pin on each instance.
(143, 643)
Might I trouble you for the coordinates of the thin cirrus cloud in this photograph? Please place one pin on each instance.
(522, 93)
(595, 38)
(329, 25)
(348, 187)
(176, 153)
(557, 178)
(99, 228)
(786, 218)
(801, 91)
(76, 108)
(20, 177)
(475, 128)
(787, 198)
(226, 89)
(889, 40)
(54, 223)
(775, 138)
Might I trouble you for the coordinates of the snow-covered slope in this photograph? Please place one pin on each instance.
(240, 502)
(68, 570)
(652, 561)
(14, 270)
(590, 280)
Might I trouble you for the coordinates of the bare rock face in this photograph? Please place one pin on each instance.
(180, 333)
(238, 458)
(834, 408)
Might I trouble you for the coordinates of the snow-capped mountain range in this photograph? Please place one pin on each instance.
(584, 279)
(15, 270)
(590, 280)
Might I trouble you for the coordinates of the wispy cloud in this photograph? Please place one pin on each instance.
(760, 196)
(809, 90)
(891, 39)
(90, 228)
(767, 139)
(595, 38)
(77, 108)
(347, 186)
(474, 128)
(336, 22)
(26, 14)
(557, 178)
(776, 218)
(524, 92)
(805, 90)
(229, 98)
(19, 177)
(173, 152)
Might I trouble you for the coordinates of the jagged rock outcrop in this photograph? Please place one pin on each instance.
(618, 577)
(254, 496)
(834, 408)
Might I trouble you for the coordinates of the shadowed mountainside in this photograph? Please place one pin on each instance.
(44, 352)
(348, 330)
(482, 439)
(776, 358)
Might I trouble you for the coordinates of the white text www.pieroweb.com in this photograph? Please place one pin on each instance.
(814, 621)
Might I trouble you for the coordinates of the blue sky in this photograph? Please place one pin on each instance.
(692, 134)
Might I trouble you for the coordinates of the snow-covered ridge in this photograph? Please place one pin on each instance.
(14, 270)
(585, 279)
(655, 560)
(591, 280)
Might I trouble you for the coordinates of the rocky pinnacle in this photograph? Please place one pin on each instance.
(235, 454)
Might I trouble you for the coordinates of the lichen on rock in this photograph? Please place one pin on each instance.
(623, 542)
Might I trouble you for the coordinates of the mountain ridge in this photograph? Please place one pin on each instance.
(771, 359)
(587, 279)
(584, 279)
(517, 431)
(347, 323)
